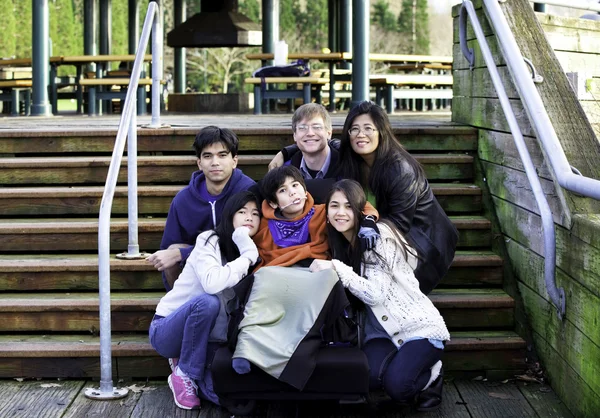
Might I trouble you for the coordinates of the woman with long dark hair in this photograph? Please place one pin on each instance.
(404, 333)
(193, 313)
(395, 184)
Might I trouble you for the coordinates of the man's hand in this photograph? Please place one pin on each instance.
(277, 161)
(319, 265)
(164, 259)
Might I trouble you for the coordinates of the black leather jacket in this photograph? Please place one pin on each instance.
(415, 211)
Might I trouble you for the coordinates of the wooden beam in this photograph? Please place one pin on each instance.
(513, 186)
(529, 268)
(575, 257)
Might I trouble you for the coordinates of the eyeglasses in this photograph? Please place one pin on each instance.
(305, 128)
(367, 130)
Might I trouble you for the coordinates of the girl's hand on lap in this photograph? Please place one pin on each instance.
(319, 265)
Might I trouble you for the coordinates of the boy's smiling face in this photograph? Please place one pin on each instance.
(291, 197)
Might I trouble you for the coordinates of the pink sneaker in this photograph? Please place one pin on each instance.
(184, 391)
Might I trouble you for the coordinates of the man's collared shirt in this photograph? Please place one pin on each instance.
(321, 173)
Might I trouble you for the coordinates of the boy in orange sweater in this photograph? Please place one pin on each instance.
(290, 219)
(293, 231)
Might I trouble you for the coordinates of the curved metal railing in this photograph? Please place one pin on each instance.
(127, 129)
(540, 121)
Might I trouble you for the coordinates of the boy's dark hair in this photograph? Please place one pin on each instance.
(230, 251)
(276, 177)
(213, 135)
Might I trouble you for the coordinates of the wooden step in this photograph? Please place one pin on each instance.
(474, 269)
(93, 170)
(414, 137)
(64, 234)
(133, 311)
(19, 201)
(69, 356)
(474, 308)
(178, 169)
(79, 272)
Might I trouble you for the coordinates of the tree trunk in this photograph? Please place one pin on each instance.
(414, 27)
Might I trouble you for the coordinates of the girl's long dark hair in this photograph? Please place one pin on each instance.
(224, 230)
(388, 152)
(350, 253)
(347, 252)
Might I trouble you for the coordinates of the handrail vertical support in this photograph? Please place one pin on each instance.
(133, 248)
(127, 126)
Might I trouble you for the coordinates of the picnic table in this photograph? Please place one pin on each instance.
(331, 58)
(420, 67)
(334, 58)
(79, 62)
(411, 86)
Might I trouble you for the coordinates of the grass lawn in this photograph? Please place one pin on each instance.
(67, 105)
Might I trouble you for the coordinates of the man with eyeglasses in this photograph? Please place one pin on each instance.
(311, 126)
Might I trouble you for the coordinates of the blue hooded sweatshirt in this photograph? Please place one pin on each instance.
(190, 214)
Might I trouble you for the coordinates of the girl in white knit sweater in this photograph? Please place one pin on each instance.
(193, 313)
(404, 333)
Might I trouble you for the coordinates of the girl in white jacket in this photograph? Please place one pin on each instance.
(193, 312)
(404, 333)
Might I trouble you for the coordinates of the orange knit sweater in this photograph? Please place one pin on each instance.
(274, 255)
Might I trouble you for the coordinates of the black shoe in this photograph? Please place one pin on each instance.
(431, 398)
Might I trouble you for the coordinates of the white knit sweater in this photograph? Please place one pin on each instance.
(204, 272)
(393, 293)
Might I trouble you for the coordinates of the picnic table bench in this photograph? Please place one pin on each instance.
(420, 66)
(410, 86)
(291, 91)
(122, 83)
(14, 91)
(79, 62)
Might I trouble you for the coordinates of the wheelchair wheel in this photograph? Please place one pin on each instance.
(239, 406)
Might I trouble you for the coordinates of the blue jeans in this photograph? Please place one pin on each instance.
(184, 334)
(401, 372)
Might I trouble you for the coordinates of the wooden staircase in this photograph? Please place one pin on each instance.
(49, 202)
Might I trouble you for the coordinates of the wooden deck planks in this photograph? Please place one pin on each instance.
(543, 400)
(84, 407)
(494, 400)
(461, 399)
(158, 403)
(38, 399)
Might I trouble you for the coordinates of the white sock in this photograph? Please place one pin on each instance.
(435, 372)
(180, 372)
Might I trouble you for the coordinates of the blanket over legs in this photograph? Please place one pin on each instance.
(284, 319)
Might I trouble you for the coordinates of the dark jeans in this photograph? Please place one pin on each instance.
(402, 373)
(184, 334)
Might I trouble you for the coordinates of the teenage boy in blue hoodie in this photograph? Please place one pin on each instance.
(198, 206)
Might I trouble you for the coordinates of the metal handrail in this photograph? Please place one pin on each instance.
(535, 108)
(572, 4)
(127, 125)
(556, 295)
